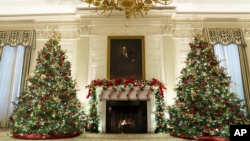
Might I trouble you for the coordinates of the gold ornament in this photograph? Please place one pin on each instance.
(54, 114)
(43, 76)
(191, 115)
(39, 106)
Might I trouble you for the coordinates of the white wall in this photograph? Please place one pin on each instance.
(82, 68)
(88, 56)
(164, 58)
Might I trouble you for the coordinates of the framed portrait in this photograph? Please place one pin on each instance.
(126, 57)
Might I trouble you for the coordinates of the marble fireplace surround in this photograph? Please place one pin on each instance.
(135, 94)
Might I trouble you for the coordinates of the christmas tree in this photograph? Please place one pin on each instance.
(204, 104)
(49, 104)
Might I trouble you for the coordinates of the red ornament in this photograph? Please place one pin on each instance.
(11, 118)
(60, 63)
(239, 114)
(64, 107)
(27, 115)
(206, 126)
(203, 83)
(66, 78)
(225, 102)
(48, 74)
(212, 129)
(160, 125)
(219, 127)
(46, 119)
(221, 111)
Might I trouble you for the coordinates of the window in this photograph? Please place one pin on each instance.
(229, 57)
(11, 65)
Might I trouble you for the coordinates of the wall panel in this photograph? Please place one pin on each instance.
(97, 58)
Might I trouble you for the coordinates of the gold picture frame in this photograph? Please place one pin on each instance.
(128, 65)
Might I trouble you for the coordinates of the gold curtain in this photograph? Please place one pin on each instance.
(226, 36)
(26, 38)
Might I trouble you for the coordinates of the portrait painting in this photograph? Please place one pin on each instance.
(126, 57)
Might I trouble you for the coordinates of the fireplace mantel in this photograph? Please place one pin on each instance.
(101, 91)
(125, 94)
(135, 94)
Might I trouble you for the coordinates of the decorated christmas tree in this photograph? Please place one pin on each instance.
(204, 104)
(49, 108)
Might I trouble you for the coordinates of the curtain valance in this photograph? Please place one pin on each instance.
(13, 38)
(224, 36)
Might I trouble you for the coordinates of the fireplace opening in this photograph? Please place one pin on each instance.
(126, 116)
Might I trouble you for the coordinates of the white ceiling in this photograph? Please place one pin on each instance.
(72, 10)
(14, 7)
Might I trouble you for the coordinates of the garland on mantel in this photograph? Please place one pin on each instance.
(120, 85)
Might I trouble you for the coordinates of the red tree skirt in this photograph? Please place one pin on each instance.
(211, 138)
(182, 136)
(204, 138)
(43, 137)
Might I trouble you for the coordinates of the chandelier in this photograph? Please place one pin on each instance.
(128, 6)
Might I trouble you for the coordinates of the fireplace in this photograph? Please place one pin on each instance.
(126, 116)
(136, 105)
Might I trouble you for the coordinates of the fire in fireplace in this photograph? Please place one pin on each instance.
(126, 117)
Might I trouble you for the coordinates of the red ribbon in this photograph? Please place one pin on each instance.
(88, 95)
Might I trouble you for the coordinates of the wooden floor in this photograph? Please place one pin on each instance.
(103, 137)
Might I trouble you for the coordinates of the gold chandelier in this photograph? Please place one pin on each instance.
(128, 6)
